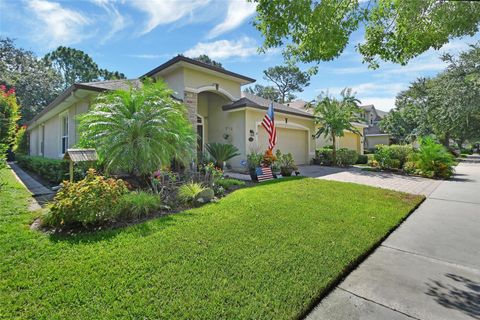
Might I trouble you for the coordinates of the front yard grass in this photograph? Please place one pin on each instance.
(263, 252)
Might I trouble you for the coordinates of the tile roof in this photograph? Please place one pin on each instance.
(251, 100)
(180, 58)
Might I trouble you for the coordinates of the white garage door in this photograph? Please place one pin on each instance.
(288, 140)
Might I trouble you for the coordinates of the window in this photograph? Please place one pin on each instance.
(64, 134)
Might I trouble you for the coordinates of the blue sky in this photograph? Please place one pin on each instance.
(134, 36)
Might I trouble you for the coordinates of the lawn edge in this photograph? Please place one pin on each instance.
(354, 265)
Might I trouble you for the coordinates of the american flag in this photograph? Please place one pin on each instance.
(264, 173)
(269, 124)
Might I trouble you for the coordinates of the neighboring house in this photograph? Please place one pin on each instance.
(349, 140)
(373, 135)
(217, 107)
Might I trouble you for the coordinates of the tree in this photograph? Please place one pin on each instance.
(140, 130)
(394, 30)
(206, 59)
(77, 66)
(266, 92)
(36, 83)
(447, 105)
(336, 116)
(288, 79)
(9, 115)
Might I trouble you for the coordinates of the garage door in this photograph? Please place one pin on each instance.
(288, 140)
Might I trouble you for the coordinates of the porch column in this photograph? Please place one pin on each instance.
(190, 99)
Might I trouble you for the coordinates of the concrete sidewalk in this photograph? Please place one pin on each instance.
(429, 268)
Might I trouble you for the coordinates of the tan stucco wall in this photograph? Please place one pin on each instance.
(175, 81)
(196, 79)
(372, 141)
(218, 123)
(350, 141)
(52, 143)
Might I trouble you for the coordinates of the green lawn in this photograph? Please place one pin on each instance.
(263, 252)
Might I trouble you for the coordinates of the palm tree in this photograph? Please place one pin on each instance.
(139, 130)
(221, 152)
(336, 116)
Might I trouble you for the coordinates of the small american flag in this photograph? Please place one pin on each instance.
(264, 173)
(269, 124)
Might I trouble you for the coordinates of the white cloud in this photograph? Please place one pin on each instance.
(58, 25)
(161, 12)
(385, 104)
(223, 49)
(117, 20)
(238, 11)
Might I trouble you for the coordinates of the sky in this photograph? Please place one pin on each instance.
(135, 36)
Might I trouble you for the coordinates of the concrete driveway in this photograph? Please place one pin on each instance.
(429, 268)
(410, 184)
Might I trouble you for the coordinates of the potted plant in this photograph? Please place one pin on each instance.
(254, 160)
(286, 163)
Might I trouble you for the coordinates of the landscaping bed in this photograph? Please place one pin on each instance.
(265, 252)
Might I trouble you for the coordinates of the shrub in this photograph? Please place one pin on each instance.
(228, 183)
(434, 160)
(3, 155)
(21, 141)
(138, 204)
(221, 152)
(324, 156)
(345, 157)
(286, 163)
(362, 159)
(91, 201)
(254, 160)
(188, 191)
(466, 151)
(392, 157)
(51, 170)
(410, 167)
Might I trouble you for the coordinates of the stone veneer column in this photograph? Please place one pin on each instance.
(190, 99)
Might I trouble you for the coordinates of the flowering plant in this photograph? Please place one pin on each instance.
(268, 158)
(9, 113)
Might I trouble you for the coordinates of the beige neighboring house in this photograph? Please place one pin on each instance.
(373, 134)
(217, 107)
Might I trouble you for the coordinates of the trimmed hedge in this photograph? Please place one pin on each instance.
(362, 159)
(345, 157)
(53, 171)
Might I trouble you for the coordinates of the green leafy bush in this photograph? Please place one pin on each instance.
(228, 183)
(433, 160)
(221, 152)
(188, 191)
(362, 159)
(91, 201)
(286, 163)
(345, 157)
(3, 155)
(51, 170)
(393, 156)
(138, 204)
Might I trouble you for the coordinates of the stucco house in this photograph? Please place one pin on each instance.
(373, 134)
(217, 107)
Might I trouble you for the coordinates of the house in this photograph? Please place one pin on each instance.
(217, 107)
(373, 134)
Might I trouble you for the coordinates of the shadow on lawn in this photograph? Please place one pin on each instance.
(143, 228)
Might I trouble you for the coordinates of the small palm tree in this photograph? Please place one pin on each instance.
(221, 152)
(138, 130)
(336, 116)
